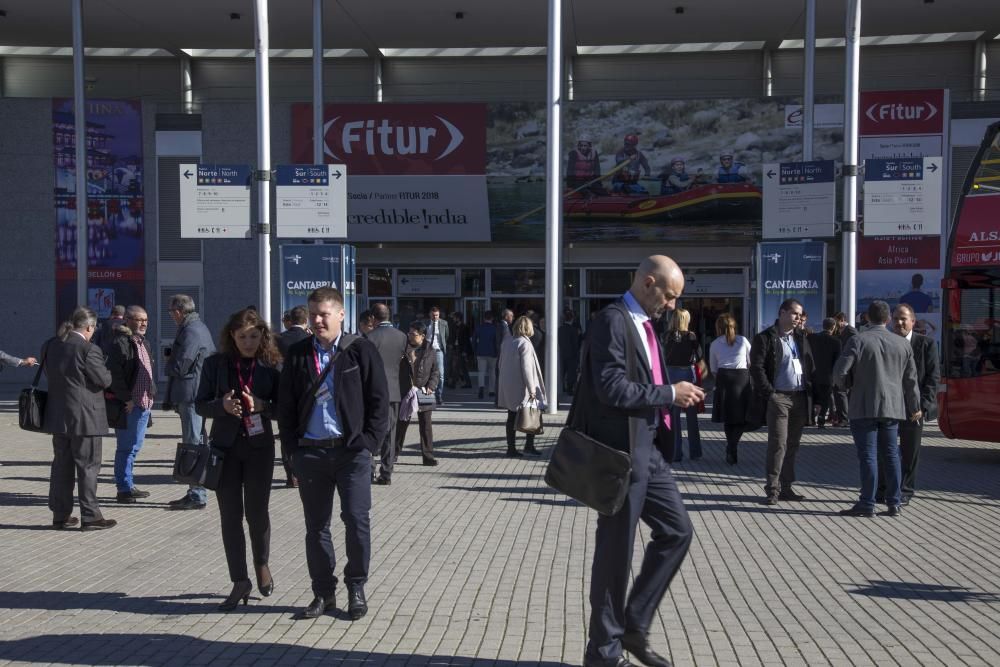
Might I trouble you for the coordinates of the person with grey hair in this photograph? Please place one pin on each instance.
(877, 365)
(192, 345)
(76, 418)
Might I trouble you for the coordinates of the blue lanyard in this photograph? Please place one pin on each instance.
(790, 344)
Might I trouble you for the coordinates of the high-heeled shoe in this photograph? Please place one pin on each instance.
(530, 449)
(241, 591)
(265, 584)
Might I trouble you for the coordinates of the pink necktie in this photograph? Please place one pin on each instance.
(656, 367)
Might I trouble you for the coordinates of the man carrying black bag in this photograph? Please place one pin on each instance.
(624, 404)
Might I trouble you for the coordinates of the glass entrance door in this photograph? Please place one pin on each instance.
(706, 309)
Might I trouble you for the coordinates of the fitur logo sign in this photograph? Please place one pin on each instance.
(920, 111)
(385, 137)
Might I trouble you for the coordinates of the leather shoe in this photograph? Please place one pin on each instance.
(905, 500)
(858, 511)
(125, 498)
(620, 661)
(138, 493)
(430, 462)
(66, 523)
(771, 500)
(894, 510)
(640, 649)
(788, 494)
(383, 481)
(100, 524)
(357, 606)
(319, 606)
(187, 503)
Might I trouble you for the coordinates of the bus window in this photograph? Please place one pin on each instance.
(987, 178)
(975, 333)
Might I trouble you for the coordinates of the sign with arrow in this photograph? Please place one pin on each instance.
(903, 197)
(799, 199)
(311, 201)
(215, 201)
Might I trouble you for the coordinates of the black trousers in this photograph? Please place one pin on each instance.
(823, 400)
(840, 404)
(529, 438)
(910, 437)
(734, 432)
(286, 462)
(388, 451)
(655, 499)
(322, 471)
(79, 458)
(426, 428)
(245, 491)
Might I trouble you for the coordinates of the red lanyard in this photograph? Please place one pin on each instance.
(246, 385)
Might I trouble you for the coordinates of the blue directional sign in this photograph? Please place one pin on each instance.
(215, 201)
(903, 196)
(799, 199)
(311, 201)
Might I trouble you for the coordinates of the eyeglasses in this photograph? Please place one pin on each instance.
(138, 321)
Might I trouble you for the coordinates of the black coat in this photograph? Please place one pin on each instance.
(925, 355)
(825, 350)
(288, 338)
(423, 370)
(123, 362)
(391, 345)
(361, 394)
(218, 376)
(765, 353)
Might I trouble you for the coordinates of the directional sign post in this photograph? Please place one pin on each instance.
(903, 197)
(215, 201)
(799, 199)
(311, 201)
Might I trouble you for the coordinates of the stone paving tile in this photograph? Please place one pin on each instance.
(476, 562)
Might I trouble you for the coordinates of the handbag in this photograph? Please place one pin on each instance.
(582, 467)
(426, 400)
(31, 402)
(529, 418)
(198, 465)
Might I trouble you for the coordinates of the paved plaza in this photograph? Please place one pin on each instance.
(477, 562)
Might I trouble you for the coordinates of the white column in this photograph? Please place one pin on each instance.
(809, 81)
(263, 173)
(979, 71)
(849, 246)
(767, 74)
(553, 204)
(317, 81)
(80, 125)
(187, 89)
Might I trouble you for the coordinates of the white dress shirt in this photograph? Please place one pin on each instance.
(723, 355)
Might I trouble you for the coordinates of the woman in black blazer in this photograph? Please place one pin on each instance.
(423, 379)
(238, 389)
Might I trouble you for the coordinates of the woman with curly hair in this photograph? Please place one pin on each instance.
(238, 389)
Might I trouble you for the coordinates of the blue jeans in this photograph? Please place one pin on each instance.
(874, 439)
(439, 392)
(684, 374)
(191, 431)
(130, 441)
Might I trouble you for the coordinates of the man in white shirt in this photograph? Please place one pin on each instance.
(437, 334)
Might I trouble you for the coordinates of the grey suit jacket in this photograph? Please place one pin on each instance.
(8, 360)
(391, 345)
(77, 379)
(442, 330)
(877, 365)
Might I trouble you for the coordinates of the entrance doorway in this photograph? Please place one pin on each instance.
(419, 308)
(706, 309)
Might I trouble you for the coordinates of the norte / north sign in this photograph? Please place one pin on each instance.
(311, 201)
(799, 199)
(215, 201)
(903, 197)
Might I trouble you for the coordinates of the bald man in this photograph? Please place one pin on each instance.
(625, 403)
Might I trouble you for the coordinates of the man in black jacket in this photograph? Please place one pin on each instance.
(332, 413)
(925, 355)
(298, 320)
(391, 345)
(130, 361)
(825, 348)
(781, 371)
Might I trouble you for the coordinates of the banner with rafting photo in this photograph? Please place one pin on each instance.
(662, 170)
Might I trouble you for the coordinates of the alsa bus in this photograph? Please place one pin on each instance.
(970, 400)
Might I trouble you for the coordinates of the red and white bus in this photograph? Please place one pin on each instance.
(970, 400)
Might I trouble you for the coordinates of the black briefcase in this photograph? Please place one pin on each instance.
(589, 471)
(31, 402)
(198, 465)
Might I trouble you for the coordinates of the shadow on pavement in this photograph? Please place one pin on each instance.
(160, 649)
(903, 590)
(166, 605)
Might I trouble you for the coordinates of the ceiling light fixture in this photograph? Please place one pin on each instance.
(235, 16)
(459, 16)
(678, 10)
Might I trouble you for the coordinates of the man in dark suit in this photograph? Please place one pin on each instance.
(438, 334)
(105, 336)
(781, 370)
(570, 336)
(878, 367)
(825, 349)
(298, 319)
(391, 345)
(925, 356)
(76, 418)
(843, 332)
(630, 411)
(332, 412)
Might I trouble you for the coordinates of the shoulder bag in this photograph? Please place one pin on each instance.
(201, 464)
(529, 418)
(31, 402)
(580, 466)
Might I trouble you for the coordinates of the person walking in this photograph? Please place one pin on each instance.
(683, 351)
(332, 412)
(391, 345)
(877, 365)
(438, 334)
(826, 348)
(421, 379)
(624, 402)
(519, 381)
(569, 338)
(729, 361)
(238, 391)
(192, 345)
(781, 371)
(130, 361)
(484, 345)
(75, 416)
(843, 332)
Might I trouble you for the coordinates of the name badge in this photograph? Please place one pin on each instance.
(323, 394)
(797, 366)
(254, 424)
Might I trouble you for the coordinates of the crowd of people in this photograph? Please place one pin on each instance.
(339, 404)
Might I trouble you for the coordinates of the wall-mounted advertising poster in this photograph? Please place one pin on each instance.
(115, 212)
(790, 270)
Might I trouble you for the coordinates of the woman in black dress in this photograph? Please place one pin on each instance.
(239, 386)
(729, 361)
